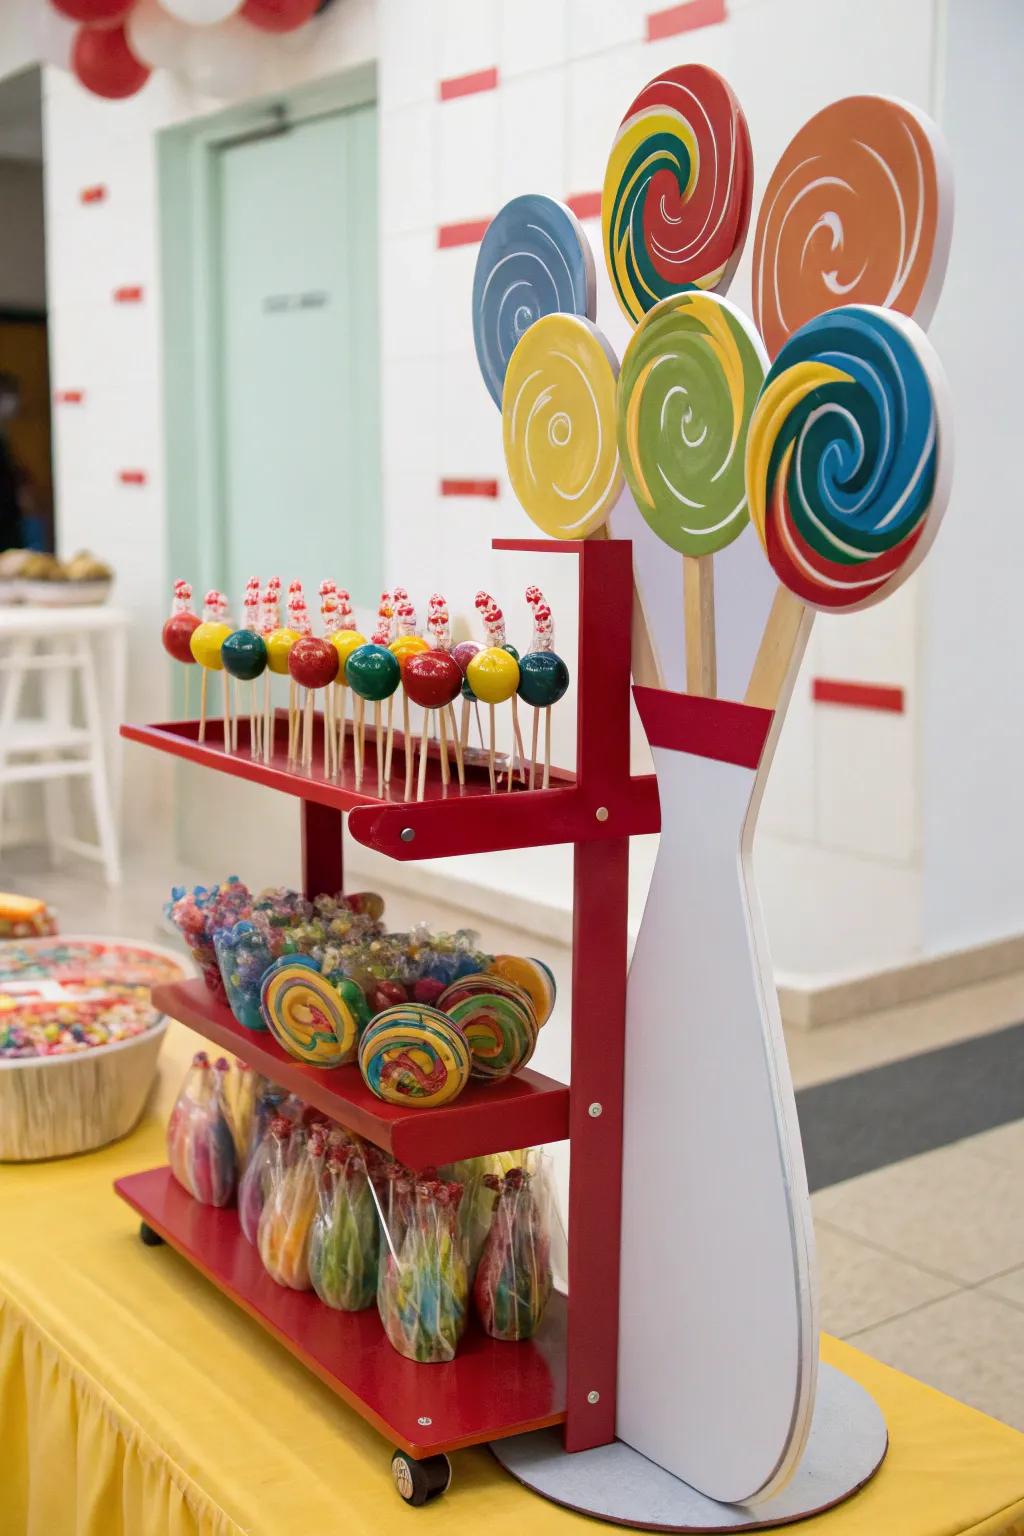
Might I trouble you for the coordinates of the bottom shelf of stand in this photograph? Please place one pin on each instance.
(491, 1389)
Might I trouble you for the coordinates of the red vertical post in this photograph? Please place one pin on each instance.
(600, 898)
(322, 859)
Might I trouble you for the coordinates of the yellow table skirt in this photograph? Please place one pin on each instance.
(135, 1400)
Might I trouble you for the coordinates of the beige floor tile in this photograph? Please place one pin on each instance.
(970, 1345)
(1008, 1287)
(1003, 1145)
(860, 1286)
(947, 1211)
(834, 1050)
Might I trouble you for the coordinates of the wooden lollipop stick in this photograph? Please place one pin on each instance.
(442, 736)
(490, 754)
(421, 785)
(359, 738)
(233, 708)
(643, 657)
(291, 720)
(227, 712)
(268, 719)
(380, 748)
(517, 733)
(342, 733)
(533, 746)
(460, 762)
(699, 625)
(187, 672)
(785, 635)
(307, 753)
(252, 720)
(511, 769)
(547, 748)
(479, 725)
(464, 724)
(391, 740)
(410, 745)
(328, 733)
(202, 706)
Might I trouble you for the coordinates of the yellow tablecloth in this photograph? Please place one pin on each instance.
(135, 1400)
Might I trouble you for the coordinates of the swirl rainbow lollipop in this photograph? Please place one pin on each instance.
(534, 260)
(859, 210)
(848, 466)
(676, 200)
(687, 389)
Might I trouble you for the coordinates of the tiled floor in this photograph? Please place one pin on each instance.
(921, 1263)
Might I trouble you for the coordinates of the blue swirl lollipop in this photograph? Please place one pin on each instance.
(534, 260)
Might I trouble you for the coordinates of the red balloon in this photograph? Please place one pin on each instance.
(279, 15)
(312, 662)
(432, 679)
(93, 13)
(177, 633)
(105, 64)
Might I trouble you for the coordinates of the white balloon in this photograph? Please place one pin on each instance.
(155, 37)
(232, 60)
(54, 35)
(201, 13)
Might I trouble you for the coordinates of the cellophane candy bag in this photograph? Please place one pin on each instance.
(423, 1285)
(197, 915)
(344, 1245)
(200, 1146)
(513, 1278)
(265, 1153)
(476, 1175)
(290, 1205)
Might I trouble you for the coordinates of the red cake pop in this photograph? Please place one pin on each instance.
(432, 679)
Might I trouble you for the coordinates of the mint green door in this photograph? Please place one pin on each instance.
(295, 300)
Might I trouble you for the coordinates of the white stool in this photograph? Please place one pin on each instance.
(69, 738)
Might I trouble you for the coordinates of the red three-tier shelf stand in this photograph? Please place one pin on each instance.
(567, 1374)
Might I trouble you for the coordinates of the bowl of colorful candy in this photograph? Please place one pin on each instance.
(79, 1041)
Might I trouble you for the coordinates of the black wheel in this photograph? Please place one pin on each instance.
(418, 1482)
(149, 1237)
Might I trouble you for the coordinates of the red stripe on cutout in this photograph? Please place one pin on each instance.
(469, 488)
(129, 295)
(468, 85)
(720, 729)
(684, 18)
(96, 194)
(470, 232)
(132, 476)
(585, 205)
(828, 690)
(69, 396)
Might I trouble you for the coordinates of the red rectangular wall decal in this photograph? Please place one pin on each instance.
(129, 295)
(96, 194)
(585, 205)
(468, 85)
(69, 396)
(828, 690)
(469, 487)
(469, 232)
(132, 476)
(684, 18)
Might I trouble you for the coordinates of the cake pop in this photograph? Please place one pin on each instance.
(312, 663)
(178, 629)
(543, 679)
(432, 679)
(372, 672)
(205, 644)
(244, 655)
(407, 642)
(493, 676)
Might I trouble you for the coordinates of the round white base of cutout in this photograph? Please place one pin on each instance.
(846, 1446)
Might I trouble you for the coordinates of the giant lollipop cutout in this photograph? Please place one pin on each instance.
(859, 210)
(848, 469)
(677, 189)
(534, 260)
(687, 388)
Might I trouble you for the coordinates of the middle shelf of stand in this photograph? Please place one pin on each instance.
(521, 1111)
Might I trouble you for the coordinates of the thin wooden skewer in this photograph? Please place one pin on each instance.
(533, 746)
(490, 756)
(291, 720)
(202, 706)
(547, 748)
(359, 738)
(342, 733)
(328, 733)
(460, 761)
(518, 739)
(268, 719)
(380, 748)
(479, 724)
(227, 713)
(422, 783)
(253, 739)
(442, 741)
(464, 724)
(307, 755)
(410, 745)
(391, 741)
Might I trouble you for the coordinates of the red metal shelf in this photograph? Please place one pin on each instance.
(490, 1390)
(522, 1111)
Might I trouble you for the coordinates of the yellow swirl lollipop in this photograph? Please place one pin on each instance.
(558, 424)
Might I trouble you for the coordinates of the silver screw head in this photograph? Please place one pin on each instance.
(407, 834)
(593, 1397)
(601, 813)
(595, 1110)
(424, 1419)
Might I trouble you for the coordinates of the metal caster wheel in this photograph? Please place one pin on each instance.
(418, 1482)
(149, 1237)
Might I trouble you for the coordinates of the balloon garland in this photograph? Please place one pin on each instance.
(112, 46)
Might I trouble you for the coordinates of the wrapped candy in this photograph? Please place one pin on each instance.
(289, 1207)
(476, 1208)
(343, 1248)
(197, 915)
(513, 1279)
(262, 1159)
(245, 952)
(423, 1285)
(200, 1146)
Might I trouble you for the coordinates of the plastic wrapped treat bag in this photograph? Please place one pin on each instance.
(264, 1162)
(513, 1278)
(290, 1203)
(476, 1208)
(423, 1286)
(199, 913)
(244, 952)
(343, 1249)
(200, 1146)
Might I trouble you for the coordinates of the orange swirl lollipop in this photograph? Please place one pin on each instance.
(859, 210)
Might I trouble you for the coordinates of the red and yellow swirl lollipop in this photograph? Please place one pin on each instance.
(859, 210)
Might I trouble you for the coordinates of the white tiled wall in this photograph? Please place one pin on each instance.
(846, 784)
